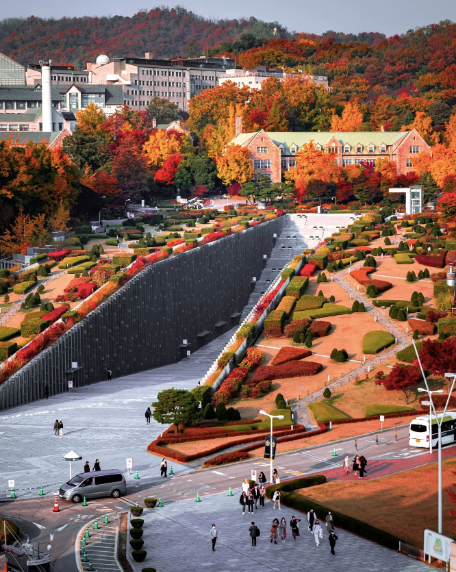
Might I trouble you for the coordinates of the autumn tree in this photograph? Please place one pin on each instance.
(351, 118)
(162, 110)
(168, 169)
(161, 145)
(401, 378)
(129, 168)
(439, 357)
(26, 231)
(104, 184)
(58, 221)
(235, 165)
(91, 121)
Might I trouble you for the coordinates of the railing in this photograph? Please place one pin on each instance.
(7, 263)
(412, 551)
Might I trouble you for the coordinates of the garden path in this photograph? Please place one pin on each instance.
(300, 408)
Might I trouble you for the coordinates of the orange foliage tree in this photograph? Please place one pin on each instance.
(26, 231)
(235, 165)
(351, 118)
(161, 145)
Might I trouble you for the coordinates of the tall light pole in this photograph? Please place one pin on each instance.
(421, 389)
(271, 417)
(127, 201)
(450, 281)
(439, 421)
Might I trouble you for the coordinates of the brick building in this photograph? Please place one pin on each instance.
(273, 153)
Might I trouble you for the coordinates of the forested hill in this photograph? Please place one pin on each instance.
(165, 32)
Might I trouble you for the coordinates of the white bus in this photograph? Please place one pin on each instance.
(420, 433)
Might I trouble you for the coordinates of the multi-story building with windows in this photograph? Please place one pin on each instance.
(273, 153)
(60, 75)
(254, 78)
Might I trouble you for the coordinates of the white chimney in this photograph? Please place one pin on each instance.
(46, 102)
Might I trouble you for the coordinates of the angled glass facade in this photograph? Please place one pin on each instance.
(11, 73)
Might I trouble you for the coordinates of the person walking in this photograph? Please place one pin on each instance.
(109, 374)
(356, 465)
(276, 499)
(87, 467)
(346, 463)
(163, 467)
(243, 501)
(311, 519)
(262, 495)
(46, 391)
(256, 495)
(56, 428)
(362, 466)
(275, 477)
(294, 526)
(283, 529)
(262, 478)
(245, 486)
(329, 522)
(332, 542)
(214, 536)
(254, 532)
(250, 501)
(148, 415)
(317, 532)
(274, 531)
(60, 429)
(96, 465)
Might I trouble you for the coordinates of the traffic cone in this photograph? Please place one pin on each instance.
(334, 452)
(83, 543)
(82, 551)
(56, 505)
(13, 494)
(230, 492)
(171, 472)
(160, 504)
(106, 520)
(95, 526)
(87, 533)
(136, 475)
(84, 557)
(198, 497)
(90, 568)
(84, 502)
(41, 493)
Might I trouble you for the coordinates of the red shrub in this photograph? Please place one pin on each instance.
(239, 373)
(60, 255)
(287, 354)
(73, 285)
(361, 275)
(423, 327)
(434, 260)
(56, 314)
(211, 237)
(296, 325)
(320, 328)
(381, 285)
(175, 242)
(225, 458)
(290, 369)
(434, 316)
(451, 257)
(364, 248)
(252, 358)
(86, 289)
(308, 269)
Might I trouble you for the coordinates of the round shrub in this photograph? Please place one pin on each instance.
(401, 315)
(136, 532)
(327, 393)
(281, 405)
(209, 412)
(139, 555)
(387, 241)
(278, 398)
(308, 340)
(137, 543)
(355, 306)
(221, 412)
(137, 522)
(322, 277)
(362, 307)
(332, 299)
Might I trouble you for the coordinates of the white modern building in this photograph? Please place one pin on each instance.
(253, 79)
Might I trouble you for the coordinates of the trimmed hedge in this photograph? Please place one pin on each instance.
(286, 305)
(7, 349)
(6, 333)
(320, 260)
(274, 323)
(308, 269)
(30, 328)
(434, 260)
(296, 326)
(123, 260)
(308, 302)
(376, 341)
(423, 327)
(403, 258)
(289, 369)
(408, 354)
(399, 303)
(324, 412)
(297, 286)
(374, 409)
(73, 261)
(447, 326)
(319, 328)
(23, 287)
(80, 269)
(288, 353)
(326, 310)
(440, 287)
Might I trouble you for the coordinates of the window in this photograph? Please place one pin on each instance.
(262, 163)
(383, 149)
(409, 162)
(14, 127)
(9, 104)
(41, 127)
(293, 150)
(60, 127)
(347, 149)
(23, 127)
(73, 97)
(359, 149)
(3, 127)
(414, 149)
(262, 149)
(96, 98)
(347, 162)
(20, 104)
(105, 479)
(371, 148)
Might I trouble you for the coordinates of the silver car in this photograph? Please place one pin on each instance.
(95, 484)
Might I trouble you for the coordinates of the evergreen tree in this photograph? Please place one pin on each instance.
(355, 306)
(308, 340)
(387, 241)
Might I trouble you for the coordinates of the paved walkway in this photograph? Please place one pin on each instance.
(300, 408)
(180, 532)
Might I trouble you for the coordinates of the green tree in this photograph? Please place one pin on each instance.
(86, 150)
(177, 406)
(163, 110)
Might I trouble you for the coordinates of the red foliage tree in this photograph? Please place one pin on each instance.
(200, 191)
(439, 357)
(168, 170)
(401, 378)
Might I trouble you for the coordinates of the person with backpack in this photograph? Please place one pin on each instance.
(294, 526)
(254, 533)
(148, 415)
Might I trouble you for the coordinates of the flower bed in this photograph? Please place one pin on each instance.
(252, 359)
(423, 327)
(290, 369)
(85, 290)
(286, 305)
(288, 353)
(73, 285)
(73, 261)
(60, 255)
(123, 260)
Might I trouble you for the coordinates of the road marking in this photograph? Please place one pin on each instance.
(61, 528)
(39, 525)
(218, 473)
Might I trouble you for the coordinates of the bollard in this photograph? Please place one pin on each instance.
(106, 520)
(160, 504)
(171, 472)
(136, 475)
(41, 493)
(334, 452)
(356, 444)
(395, 435)
(84, 502)
(376, 439)
(95, 526)
(230, 492)
(198, 497)
(13, 494)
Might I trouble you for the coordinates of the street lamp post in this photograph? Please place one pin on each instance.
(127, 201)
(450, 281)
(422, 390)
(271, 417)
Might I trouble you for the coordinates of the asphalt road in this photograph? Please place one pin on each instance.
(38, 522)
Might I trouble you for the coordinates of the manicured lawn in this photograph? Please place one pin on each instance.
(8, 333)
(376, 341)
(398, 504)
(375, 409)
(325, 412)
(326, 310)
(408, 354)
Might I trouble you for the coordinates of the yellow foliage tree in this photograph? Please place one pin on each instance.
(26, 231)
(351, 118)
(161, 145)
(235, 165)
(423, 124)
(91, 120)
(217, 137)
(58, 221)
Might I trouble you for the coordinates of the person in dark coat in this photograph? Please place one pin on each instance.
(256, 495)
(356, 465)
(250, 501)
(148, 415)
(87, 467)
(96, 465)
(254, 532)
(329, 522)
(262, 478)
(109, 374)
(46, 392)
(294, 526)
(243, 501)
(332, 542)
(56, 428)
(362, 464)
(311, 519)
(60, 429)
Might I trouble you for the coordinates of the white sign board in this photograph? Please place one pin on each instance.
(436, 545)
(74, 365)
(425, 403)
(253, 475)
(70, 384)
(11, 484)
(382, 418)
(129, 462)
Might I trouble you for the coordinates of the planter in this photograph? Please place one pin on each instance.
(150, 502)
(137, 522)
(136, 532)
(139, 555)
(137, 543)
(136, 510)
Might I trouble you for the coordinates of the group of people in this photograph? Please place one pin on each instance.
(58, 428)
(359, 465)
(250, 495)
(96, 466)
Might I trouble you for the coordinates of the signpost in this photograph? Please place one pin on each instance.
(70, 384)
(437, 546)
(382, 419)
(254, 475)
(129, 464)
